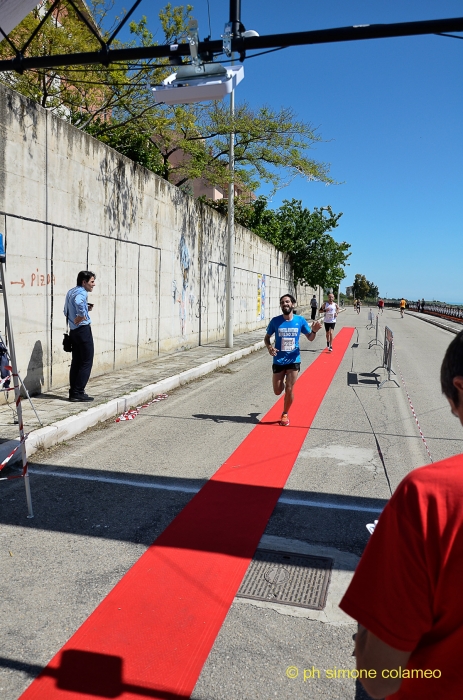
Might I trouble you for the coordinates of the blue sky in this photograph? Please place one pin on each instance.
(390, 112)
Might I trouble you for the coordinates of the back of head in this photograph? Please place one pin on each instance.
(452, 366)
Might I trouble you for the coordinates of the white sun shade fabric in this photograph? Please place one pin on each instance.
(13, 11)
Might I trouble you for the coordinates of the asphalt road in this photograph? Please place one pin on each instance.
(134, 477)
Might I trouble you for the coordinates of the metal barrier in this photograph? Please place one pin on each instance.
(371, 318)
(446, 310)
(375, 341)
(387, 356)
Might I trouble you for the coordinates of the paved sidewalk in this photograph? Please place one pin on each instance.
(446, 323)
(116, 392)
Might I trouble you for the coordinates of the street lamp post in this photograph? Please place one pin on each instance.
(235, 22)
(322, 209)
(229, 312)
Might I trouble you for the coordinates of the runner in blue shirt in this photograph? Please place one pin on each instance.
(285, 352)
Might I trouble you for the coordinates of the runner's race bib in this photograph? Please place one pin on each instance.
(288, 344)
(330, 313)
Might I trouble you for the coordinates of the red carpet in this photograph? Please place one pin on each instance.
(153, 632)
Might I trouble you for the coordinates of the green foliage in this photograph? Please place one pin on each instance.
(316, 258)
(361, 287)
(271, 146)
(131, 143)
(373, 291)
(62, 33)
(181, 143)
(252, 215)
(99, 97)
(174, 20)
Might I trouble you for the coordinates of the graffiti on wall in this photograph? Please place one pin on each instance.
(261, 296)
(37, 280)
(186, 297)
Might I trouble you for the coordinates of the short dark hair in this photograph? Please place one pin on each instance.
(452, 366)
(84, 276)
(290, 297)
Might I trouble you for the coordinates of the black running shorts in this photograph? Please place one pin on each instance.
(281, 368)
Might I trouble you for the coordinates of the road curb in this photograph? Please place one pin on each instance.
(69, 427)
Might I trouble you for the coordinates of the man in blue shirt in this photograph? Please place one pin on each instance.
(76, 308)
(285, 352)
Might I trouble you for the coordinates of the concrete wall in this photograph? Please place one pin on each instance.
(68, 203)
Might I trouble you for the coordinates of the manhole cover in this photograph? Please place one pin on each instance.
(287, 578)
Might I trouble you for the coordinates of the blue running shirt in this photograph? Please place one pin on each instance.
(287, 334)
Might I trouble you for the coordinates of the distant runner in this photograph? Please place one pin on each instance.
(402, 306)
(357, 305)
(286, 358)
(331, 310)
(381, 305)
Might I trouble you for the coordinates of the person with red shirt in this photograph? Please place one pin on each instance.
(406, 591)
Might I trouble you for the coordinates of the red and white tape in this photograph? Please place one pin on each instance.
(411, 405)
(133, 413)
(7, 459)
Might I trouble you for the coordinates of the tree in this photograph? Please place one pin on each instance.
(373, 291)
(92, 97)
(361, 287)
(253, 215)
(271, 146)
(180, 143)
(316, 257)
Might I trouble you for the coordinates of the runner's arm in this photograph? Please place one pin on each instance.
(272, 350)
(313, 333)
(373, 654)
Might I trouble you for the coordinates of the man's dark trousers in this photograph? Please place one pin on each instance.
(82, 359)
(314, 313)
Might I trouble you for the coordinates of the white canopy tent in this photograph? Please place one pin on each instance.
(13, 11)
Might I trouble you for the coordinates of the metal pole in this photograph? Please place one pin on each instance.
(17, 394)
(229, 319)
(235, 19)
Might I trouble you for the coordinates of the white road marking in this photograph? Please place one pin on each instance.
(327, 504)
(190, 489)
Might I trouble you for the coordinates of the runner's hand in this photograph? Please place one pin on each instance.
(272, 350)
(316, 326)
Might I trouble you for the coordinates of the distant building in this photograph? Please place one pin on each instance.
(349, 291)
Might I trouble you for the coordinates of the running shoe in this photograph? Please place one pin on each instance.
(330, 349)
(284, 420)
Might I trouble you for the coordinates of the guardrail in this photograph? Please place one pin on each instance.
(452, 312)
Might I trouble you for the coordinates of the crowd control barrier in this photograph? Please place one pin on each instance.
(371, 318)
(375, 340)
(387, 357)
(443, 310)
